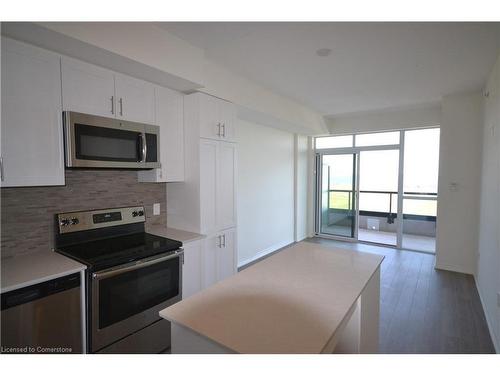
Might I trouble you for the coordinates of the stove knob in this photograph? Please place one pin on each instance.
(74, 221)
(64, 222)
(141, 213)
(135, 213)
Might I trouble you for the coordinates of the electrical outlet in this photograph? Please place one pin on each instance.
(156, 209)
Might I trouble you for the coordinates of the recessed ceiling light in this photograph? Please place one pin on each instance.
(323, 52)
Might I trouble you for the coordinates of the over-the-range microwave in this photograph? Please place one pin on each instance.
(102, 142)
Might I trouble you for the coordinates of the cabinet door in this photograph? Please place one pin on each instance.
(226, 197)
(226, 255)
(135, 99)
(211, 246)
(227, 117)
(32, 139)
(210, 123)
(208, 185)
(192, 269)
(169, 110)
(87, 88)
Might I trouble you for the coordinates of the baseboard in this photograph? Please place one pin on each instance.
(452, 268)
(496, 343)
(302, 238)
(264, 252)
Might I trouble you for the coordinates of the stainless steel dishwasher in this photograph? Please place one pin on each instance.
(43, 318)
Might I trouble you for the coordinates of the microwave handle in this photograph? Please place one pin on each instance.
(143, 146)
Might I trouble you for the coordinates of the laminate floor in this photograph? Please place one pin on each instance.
(424, 310)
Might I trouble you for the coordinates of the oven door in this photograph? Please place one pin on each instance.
(102, 142)
(128, 298)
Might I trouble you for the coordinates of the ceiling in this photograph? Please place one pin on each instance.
(372, 66)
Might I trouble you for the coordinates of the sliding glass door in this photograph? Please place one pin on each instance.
(378, 196)
(337, 195)
(379, 187)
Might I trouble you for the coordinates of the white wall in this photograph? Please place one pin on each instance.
(488, 275)
(460, 164)
(301, 187)
(402, 118)
(265, 190)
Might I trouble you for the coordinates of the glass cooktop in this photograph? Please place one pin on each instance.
(110, 252)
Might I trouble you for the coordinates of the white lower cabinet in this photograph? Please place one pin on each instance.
(192, 268)
(219, 257)
(226, 254)
(210, 260)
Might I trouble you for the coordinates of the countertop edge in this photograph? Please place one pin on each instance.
(176, 234)
(42, 279)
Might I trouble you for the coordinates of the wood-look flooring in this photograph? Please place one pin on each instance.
(424, 310)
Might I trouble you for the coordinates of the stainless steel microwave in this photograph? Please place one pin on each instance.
(102, 142)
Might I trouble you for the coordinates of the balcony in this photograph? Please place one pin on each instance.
(378, 217)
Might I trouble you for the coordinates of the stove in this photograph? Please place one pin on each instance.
(131, 276)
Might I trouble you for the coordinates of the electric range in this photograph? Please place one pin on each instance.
(131, 276)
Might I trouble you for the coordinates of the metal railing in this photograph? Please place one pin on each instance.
(390, 215)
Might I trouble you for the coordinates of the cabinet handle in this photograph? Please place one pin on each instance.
(121, 106)
(224, 240)
(223, 130)
(1, 168)
(220, 241)
(218, 131)
(112, 104)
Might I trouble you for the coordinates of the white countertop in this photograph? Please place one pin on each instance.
(32, 268)
(175, 234)
(291, 302)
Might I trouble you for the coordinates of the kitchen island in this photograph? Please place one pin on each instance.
(305, 299)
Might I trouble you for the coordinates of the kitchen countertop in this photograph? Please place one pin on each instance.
(291, 302)
(175, 234)
(32, 268)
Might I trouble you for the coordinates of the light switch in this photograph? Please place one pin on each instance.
(156, 209)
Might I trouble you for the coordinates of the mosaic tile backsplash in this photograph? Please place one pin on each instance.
(28, 221)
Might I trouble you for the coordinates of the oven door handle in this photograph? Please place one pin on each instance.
(137, 265)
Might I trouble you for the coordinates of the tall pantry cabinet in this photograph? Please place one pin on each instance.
(206, 201)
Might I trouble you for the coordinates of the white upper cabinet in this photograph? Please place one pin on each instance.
(87, 88)
(217, 185)
(32, 133)
(208, 195)
(170, 118)
(135, 99)
(226, 192)
(216, 117)
(210, 123)
(227, 116)
(209, 151)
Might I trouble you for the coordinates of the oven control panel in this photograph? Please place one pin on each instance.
(85, 220)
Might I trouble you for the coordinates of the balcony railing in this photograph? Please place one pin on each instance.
(344, 205)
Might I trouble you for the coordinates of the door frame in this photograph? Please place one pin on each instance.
(319, 177)
(357, 152)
